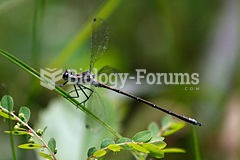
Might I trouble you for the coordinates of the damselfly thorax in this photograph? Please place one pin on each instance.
(81, 78)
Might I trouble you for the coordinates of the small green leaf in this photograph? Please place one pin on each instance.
(154, 150)
(7, 116)
(143, 136)
(161, 144)
(165, 121)
(126, 147)
(25, 111)
(30, 146)
(172, 128)
(44, 155)
(91, 151)
(151, 147)
(157, 139)
(7, 103)
(99, 153)
(173, 150)
(123, 140)
(106, 142)
(16, 132)
(157, 154)
(18, 127)
(153, 127)
(52, 144)
(138, 147)
(114, 147)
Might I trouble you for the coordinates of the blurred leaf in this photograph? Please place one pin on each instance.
(107, 142)
(7, 103)
(91, 151)
(99, 153)
(153, 127)
(165, 121)
(123, 140)
(52, 144)
(44, 155)
(161, 144)
(26, 112)
(173, 150)
(138, 147)
(154, 150)
(30, 146)
(16, 132)
(114, 147)
(127, 147)
(108, 70)
(157, 139)
(143, 136)
(172, 128)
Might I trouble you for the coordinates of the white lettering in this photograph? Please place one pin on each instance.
(139, 76)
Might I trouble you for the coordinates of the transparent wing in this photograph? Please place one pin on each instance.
(99, 40)
(108, 70)
(103, 107)
(96, 106)
(107, 75)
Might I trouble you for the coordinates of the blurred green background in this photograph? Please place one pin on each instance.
(158, 35)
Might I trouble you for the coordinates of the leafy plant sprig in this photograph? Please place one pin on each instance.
(144, 143)
(22, 128)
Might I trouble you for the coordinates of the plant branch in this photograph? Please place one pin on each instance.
(30, 130)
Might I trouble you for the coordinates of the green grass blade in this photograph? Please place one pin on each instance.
(37, 30)
(59, 90)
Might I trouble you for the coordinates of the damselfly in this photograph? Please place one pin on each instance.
(99, 41)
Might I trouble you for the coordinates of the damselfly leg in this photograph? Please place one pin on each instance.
(81, 88)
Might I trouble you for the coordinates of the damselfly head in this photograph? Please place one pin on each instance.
(66, 74)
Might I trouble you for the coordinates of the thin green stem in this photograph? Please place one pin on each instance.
(14, 157)
(196, 145)
(60, 91)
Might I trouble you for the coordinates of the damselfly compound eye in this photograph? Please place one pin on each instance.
(66, 74)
